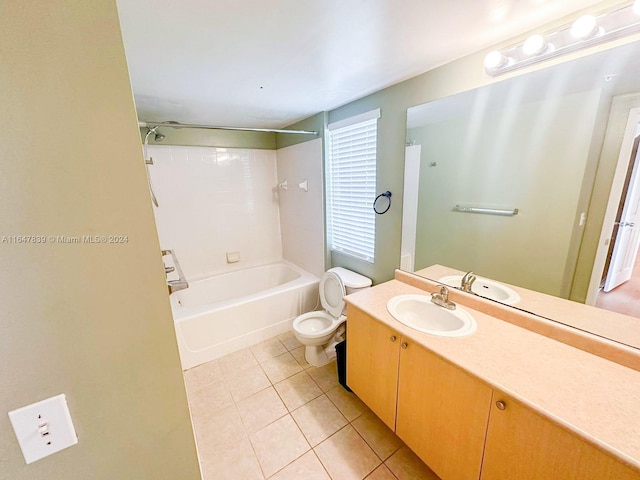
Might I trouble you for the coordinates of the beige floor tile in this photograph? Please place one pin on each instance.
(202, 376)
(347, 402)
(318, 420)
(215, 432)
(261, 409)
(297, 390)
(298, 354)
(281, 367)
(209, 399)
(247, 382)
(278, 444)
(289, 340)
(326, 377)
(268, 349)
(405, 465)
(381, 473)
(237, 462)
(231, 365)
(307, 467)
(346, 456)
(379, 437)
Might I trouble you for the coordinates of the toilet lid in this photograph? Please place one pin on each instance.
(331, 293)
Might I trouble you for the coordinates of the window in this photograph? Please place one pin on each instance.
(351, 185)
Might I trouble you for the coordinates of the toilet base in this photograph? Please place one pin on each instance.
(317, 356)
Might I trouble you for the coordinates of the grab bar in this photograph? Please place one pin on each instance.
(181, 283)
(489, 211)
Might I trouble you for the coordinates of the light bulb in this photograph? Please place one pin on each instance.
(494, 60)
(534, 45)
(584, 27)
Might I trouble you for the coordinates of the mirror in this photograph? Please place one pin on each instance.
(536, 143)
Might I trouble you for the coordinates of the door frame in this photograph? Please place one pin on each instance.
(624, 158)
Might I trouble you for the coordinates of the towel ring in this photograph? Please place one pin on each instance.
(387, 195)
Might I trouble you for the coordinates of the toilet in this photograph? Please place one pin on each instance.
(319, 331)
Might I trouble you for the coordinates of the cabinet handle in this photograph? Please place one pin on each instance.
(393, 338)
(404, 345)
(501, 405)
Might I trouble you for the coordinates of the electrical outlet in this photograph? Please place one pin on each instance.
(43, 428)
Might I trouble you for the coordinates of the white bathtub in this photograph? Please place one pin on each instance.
(224, 313)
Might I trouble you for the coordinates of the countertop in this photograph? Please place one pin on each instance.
(596, 399)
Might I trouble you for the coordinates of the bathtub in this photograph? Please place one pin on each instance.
(221, 314)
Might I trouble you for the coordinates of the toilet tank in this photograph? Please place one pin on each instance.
(352, 281)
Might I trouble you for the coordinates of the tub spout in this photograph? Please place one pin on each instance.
(177, 285)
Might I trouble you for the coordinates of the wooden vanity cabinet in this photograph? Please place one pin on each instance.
(459, 426)
(524, 445)
(373, 354)
(442, 413)
(438, 410)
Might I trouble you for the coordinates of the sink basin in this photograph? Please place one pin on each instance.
(485, 288)
(419, 312)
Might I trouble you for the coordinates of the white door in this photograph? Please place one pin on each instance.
(625, 249)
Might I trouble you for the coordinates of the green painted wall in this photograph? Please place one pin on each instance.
(90, 320)
(315, 123)
(213, 138)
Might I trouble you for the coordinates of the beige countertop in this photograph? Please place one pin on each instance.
(594, 398)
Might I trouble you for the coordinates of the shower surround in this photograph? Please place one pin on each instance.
(217, 204)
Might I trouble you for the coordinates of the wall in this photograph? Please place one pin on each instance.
(302, 213)
(458, 76)
(88, 320)
(212, 138)
(213, 201)
(529, 155)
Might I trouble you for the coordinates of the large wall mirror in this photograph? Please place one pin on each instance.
(545, 143)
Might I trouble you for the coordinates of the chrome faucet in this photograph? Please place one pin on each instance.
(442, 299)
(467, 282)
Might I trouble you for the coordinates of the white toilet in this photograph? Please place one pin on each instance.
(319, 331)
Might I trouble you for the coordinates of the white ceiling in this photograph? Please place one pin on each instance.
(270, 63)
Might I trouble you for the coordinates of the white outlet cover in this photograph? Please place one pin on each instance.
(43, 428)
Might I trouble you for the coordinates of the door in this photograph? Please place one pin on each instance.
(523, 445)
(627, 239)
(442, 413)
(373, 352)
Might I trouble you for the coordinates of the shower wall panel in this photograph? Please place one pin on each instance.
(214, 201)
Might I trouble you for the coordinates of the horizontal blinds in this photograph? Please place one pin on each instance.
(352, 187)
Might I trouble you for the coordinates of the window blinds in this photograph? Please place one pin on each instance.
(352, 185)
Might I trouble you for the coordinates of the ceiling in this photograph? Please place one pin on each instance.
(268, 64)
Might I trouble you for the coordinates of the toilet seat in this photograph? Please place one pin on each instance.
(332, 292)
(316, 324)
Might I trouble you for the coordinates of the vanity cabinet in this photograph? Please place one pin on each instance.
(442, 413)
(524, 445)
(458, 425)
(373, 355)
(438, 410)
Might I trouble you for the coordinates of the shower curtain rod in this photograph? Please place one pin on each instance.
(212, 127)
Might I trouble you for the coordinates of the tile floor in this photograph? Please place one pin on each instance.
(265, 413)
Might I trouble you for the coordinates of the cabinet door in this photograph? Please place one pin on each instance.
(442, 413)
(372, 363)
(524, 445)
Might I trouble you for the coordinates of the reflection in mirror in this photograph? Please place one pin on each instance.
(545, 143)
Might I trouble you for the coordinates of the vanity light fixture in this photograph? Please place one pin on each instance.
(588, 30)
(535, 45)
(585, 27)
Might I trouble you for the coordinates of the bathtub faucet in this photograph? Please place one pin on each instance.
(176, 285)
(179, 284)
